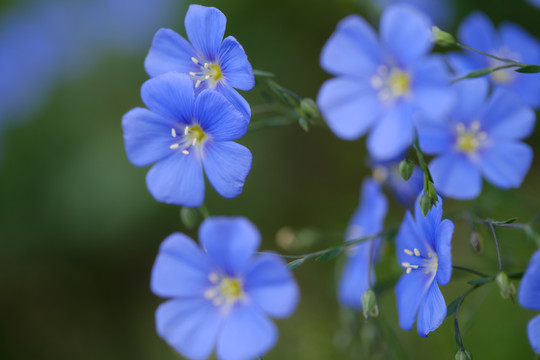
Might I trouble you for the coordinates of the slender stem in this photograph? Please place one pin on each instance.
(456, 324)
(371, 249)
(472, 271)
(421, 161)
(496, 244)
(493, 69)
(490, 55)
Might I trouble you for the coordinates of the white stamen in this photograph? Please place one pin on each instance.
(408, 271)
(185, 152)
(213, 277)
(197, 83)
(173, 132)
(416, 252)
(408, 252)
(192, 73)
(194, 142)
(194, 60)
(174, 146)
(186, 130)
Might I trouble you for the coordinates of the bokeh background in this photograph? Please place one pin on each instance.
(79, 231)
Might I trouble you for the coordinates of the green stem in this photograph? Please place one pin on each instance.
(496, 244)
(275, 121)
(456, 323)
(515, 63)
(484, 72)
(472, 271)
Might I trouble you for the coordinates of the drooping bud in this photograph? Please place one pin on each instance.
(406, 168)
(442, 38)
(369, 304)
(463, 355)
(189, 216)
(425, 204)
(507, 287)
(309, 108)
(303, 123)
(476, 242)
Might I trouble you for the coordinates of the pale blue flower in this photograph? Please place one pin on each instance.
(529, 297)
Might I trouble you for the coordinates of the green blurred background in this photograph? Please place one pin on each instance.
(79, 231)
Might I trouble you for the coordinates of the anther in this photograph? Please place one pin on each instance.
(416, 252)
(213, 277)
(186, 130)
(408, 252)
(408, 271)
(197, 83)
(195, 61)
(174, 146)
(185, 152)
(192, 73)
(173, 132)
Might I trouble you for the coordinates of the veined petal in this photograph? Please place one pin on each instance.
(368, 218)
(218, 117)
(180, 269)
(190, 326)
(432, 311)
(410, 292)
(410, 237)
(171, 96)
(229, 242)
(355, 276)
(353, 49)
(205, 27)
(227, 164)
(177, 180)
(529, 288)
(393, 134)
(521, 42)
(235, 66)
(236, 99)
(505, 164)
(349, 107)
(406, 33)
(435, 137)
(247, 334)
(169, 52)
(471, 96)
(456, 177)
(271, 286)
(477, 31)
(533, 333)
(147, 136)
(428, 224)
(443, 247)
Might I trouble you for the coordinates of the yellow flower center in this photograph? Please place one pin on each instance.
(399, 82)
(192, 136)
(391, 84)
(469, 139)
(225, 291)
(210, 73)
(427, 264)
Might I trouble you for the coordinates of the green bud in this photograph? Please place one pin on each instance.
(369, 304)
(406, 168)
(476, 242)
(463, 355)
(425, 204)
(189, 216)
(309, 108)
(442, 38)
(303, 124)
(507, 287)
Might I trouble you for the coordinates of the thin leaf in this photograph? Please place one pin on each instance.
(529, 69)
(295, 264)
(330, 254)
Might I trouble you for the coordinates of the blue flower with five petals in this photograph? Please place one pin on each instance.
(221, 295)
(182, 135)
(529, 297)
(366, 221)
(481, 137)
(381, 84)
(423, 247)
(211, 61)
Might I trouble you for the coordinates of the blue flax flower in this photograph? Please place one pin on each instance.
(211, 61)
(366, 221)
(221, 295)
(510, 42)
(441, 11)
(381, 84)
(529, 297)
(423, 248)
(481, 137)
(183, 135)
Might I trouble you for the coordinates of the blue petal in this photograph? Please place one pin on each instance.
(456, 177)
(477, 31)
(410, 292)
(432, 311)
(409, 237)
(435, 137)
(147, 136)
(235, 99)
(169, 52)
(180, 269)
(368, 218)
(533, 333)
(177, 180)
(462, 64)
(230, 242)
(246, 335)
(235, 66)
(271, 286)
(406, 32)
(350, 107)
(428, 224)
(205, 27)
(471, 96)
(190, 326)
(227, 164)
(355, 277)
(529, 288)
(506, 117)
(353, 49)
(521, 42)
(443, 244)
(505, 164)
(392, 135)
(218, 117)
(171, 96)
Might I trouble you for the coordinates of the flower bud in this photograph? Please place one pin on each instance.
(369, 304)
(507, 287)
(425, 204)
(309, 108)
(476, 242)
(442, 38)
(189, 216)
(406, 168)
(463, 355)
(303, 123)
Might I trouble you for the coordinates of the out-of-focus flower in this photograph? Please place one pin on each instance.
(529, 297)
(221, 295)
(182, 135)
(367, 220)
(441, 11)
(423, 247)
(510, 42)
(381, 84)
(482, 137)
(211, 61)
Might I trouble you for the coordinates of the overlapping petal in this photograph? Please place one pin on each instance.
(169, 52)
(443, 246)
(235, 65)
(506, 163)
(392, 134)
(410, 292)
(432, 311)
(471, 96)
(205, 27)
(455, 176)
(171, 96)
(355, 277)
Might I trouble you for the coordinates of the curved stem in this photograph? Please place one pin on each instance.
(483, 72)
(496, 244)
(456, 324)
(490, 55)
(472, 271)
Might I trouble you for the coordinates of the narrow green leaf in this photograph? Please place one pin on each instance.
(452, 307)
(478, 73)
(263, 73)
(330, 254)
(479, 281)
(504, 222)
(295, 264)
(529, 69)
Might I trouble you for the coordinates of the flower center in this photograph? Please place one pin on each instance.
(210, 72)
(428, 263)
(192, 135)
(391, 84)
(469, 139)
(225, 291)
(504, 76)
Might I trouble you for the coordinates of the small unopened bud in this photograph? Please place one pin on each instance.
(442, 38)
(507, 287)
(369, 304)
(425, 204)
(189, 216)
(476, 242)
(463, 355)
(309, 108)
(406, 168)
(303, 124)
